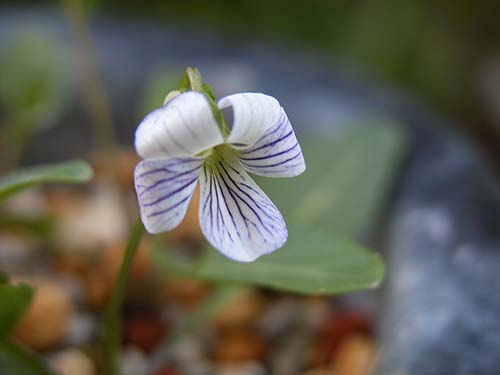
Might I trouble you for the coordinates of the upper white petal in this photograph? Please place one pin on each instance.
(185, 126)
(264, 136)
(236, 216)
(164, 188)
(253, 114)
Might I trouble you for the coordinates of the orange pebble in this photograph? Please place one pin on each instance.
(355, 356)
(242, 310)
(44, 324)
(239, 346)
(319, 371)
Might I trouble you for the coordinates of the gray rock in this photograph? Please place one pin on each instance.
(442, 314)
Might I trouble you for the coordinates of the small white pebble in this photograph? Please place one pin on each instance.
(73, 362)
(134, 362)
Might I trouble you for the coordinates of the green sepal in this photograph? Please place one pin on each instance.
(207, 89)
(184, 83)
(192, 80)
(218, 115)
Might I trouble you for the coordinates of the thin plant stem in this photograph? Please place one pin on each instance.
(98, 103)
(14, 136)
(111, 334)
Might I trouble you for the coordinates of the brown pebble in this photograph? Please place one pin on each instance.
(145, 331)
(241, 310)
(355, 356)
(239, 345)
(44, 324)
(186, 291)
(97, 288)
(167, 370)
(319, 371)
(338, 326)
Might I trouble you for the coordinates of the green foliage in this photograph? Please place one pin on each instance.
(20, 360)
(68, 172)
(34, 85)
(346, 179)
(14, 300)
(340, 193)
(312, 262)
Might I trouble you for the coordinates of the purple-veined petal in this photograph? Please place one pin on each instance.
(164, 188)
(183, 127)
(236, 216)
(264, 136)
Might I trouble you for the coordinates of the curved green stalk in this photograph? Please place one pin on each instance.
(111, 335)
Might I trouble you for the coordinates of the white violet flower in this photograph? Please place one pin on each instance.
(182, 144)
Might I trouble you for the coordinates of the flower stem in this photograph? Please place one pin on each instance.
(111, 335)
(93, 87)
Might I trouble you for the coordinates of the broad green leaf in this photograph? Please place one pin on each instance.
(20, 360)
(346, 181)
(14, 300)
(68, 172)
(312, 262)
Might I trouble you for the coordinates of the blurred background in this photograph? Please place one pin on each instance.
(397, 104)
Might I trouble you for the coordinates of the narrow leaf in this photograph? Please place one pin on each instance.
(68, 172)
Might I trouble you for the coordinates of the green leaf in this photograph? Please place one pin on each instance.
(68, 172)
(346, 181)
(338, 196)
(20, 360)
(14, 300)
(312, 262)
